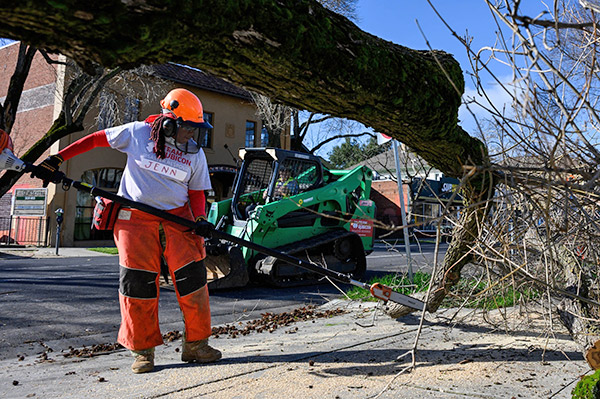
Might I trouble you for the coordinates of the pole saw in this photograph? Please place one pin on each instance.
(8, 161)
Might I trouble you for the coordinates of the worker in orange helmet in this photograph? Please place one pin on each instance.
(165, 169)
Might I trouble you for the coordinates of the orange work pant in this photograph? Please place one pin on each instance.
(136, 234)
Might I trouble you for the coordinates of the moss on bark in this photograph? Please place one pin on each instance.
(588, 387)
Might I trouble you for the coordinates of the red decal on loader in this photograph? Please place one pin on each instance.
(362, 227)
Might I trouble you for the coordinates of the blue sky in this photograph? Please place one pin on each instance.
(396, 21)
(414, 24)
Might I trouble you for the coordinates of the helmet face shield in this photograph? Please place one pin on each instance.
(189, 137)
(191, 147)
(186, 109)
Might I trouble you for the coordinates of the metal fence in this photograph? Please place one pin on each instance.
(24, 230)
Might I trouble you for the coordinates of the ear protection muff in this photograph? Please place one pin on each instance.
(169, 127)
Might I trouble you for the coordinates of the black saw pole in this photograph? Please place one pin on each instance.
(377, 290)
(94, 191)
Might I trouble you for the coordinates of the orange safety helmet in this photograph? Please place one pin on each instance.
(5, 141)
(185, 106)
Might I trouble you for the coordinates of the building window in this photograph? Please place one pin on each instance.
(264, 136)
(107, 179)
(206, 134)
(250, 133)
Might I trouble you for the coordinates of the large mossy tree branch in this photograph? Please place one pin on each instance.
(293, 51)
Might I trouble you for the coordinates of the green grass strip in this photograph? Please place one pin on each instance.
(466, 290)
(397, 282)
(105, 250)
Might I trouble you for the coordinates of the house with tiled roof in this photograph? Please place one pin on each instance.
(228, 108)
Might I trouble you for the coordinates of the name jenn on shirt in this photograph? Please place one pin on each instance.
(161, 168)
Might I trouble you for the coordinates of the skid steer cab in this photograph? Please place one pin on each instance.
(289, 202)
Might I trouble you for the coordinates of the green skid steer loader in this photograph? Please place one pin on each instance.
(288, 201)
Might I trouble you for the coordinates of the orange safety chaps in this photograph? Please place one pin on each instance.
(136, 234)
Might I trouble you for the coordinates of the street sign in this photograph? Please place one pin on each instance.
(29, 202)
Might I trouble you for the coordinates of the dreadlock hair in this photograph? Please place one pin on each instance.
(157, 135)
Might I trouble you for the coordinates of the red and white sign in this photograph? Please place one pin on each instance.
(362, 227)
(382, 138)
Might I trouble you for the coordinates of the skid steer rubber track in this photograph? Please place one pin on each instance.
(339, 250)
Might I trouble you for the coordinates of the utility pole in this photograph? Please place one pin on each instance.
(403, 212)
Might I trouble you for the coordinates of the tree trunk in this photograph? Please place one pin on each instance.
(295, 52)
(458, 254)
(274, 139)
(300, 54)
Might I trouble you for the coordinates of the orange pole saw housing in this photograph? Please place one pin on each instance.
(5, 141)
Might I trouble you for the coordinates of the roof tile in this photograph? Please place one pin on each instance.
(197, 78)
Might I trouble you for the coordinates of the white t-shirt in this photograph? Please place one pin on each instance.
(161, 183)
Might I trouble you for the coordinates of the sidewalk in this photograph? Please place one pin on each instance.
(47, 252)
(352, 355)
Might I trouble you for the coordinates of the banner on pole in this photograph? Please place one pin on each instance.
(382, 138)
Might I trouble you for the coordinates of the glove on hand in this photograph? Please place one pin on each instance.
(203, 227)
(48, 170)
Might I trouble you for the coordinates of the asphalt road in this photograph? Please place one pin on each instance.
(73, 301)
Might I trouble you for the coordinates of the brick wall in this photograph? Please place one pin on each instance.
(385, 195)
(5, 201)
(40, 74)
(35, 112)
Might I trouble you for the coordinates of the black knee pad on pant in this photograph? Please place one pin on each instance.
(136, 283)
(190, 278)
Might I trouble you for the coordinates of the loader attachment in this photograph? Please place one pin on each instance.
(226, 268)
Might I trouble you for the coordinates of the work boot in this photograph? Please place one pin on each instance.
(144, 361)
(200, 352)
